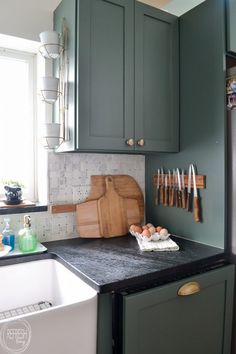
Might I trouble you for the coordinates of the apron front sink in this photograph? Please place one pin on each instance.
(44, 307)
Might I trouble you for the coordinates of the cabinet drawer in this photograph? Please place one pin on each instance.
(160, 321)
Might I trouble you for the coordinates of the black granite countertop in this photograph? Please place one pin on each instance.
(117, 264)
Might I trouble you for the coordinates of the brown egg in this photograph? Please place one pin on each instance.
(158, 229)
(138, 229)
(146, 233)
(132, 228)
(149, 225)
(145, 227)
(164, 232)
(152, 230)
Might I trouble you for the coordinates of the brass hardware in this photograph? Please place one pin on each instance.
(141, 142)
(130, 142)
(189, 289)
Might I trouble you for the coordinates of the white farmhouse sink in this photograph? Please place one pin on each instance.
(68, 327)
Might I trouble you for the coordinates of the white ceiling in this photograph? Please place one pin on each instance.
(176, 7)
(27, 18)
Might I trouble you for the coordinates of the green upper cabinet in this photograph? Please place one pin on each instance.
(123, 87)
(105, 74)
(156, 79)
(231, 25)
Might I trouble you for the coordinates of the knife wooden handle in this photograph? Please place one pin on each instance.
(161, 194)
(184, 198)
(175, 197)
(188, 201)
(157, 197)
(166, 196)
(171, 196)
(196, 209)
(179, 199)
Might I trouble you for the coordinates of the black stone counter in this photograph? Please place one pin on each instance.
(117, 264)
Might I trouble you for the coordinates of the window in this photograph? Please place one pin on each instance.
(17, 119)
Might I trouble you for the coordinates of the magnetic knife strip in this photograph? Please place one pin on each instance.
(177, 189)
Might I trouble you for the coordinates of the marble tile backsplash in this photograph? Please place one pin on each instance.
(69, 182)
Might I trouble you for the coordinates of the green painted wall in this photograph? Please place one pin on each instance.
(202, 126)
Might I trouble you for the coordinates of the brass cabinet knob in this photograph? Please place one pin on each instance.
(130, 142)
(189, 289)
(141, 142)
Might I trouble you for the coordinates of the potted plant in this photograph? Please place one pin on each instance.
(13, 192)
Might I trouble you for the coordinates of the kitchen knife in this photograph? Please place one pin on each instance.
(157, 196)
(175, 187)
(189, 196)
(162, 187)
(171, 189)
(196, 200)
(169, 186)
(183, 190)
(166, 192)
(179, 190)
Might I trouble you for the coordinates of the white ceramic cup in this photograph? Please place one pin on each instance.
(49, 88)
(51, 135)
(50, 42)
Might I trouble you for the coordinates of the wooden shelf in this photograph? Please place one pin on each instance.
(24, 204)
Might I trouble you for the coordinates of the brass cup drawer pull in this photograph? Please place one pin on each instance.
(130, 142)
(189, 289)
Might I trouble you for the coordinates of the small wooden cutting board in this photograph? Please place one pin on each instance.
(111, 211)
(87, 219)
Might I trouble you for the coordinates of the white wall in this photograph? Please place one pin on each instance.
(26, 18)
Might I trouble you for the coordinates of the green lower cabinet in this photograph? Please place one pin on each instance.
(105, 324)
(159, 321)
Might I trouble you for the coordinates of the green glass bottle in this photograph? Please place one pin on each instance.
(27, 237)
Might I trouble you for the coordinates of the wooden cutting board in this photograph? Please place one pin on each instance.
(125, 185)
(87, 219)
(111, 211)
(109, 214)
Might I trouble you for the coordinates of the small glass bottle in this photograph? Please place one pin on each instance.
(8, 234)
(27, 238)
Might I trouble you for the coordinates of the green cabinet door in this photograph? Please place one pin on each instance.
(123, 76)
(156, 79)
(105, 74)
(159, 321)
(231, 25)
